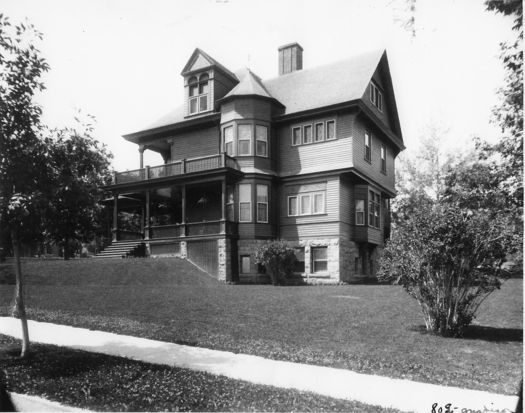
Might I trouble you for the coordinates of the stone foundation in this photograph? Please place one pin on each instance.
(225, 258)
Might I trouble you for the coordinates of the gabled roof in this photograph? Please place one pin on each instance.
(211, 62)
(326, 85)
(250, 85)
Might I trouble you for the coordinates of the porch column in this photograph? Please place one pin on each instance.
(223, 207)
(141, 152)
(142, 218)
(146, 227)
(183, 212)
(115, 217)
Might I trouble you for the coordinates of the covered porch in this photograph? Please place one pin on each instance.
(174, 210)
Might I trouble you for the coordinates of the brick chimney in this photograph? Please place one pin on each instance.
(290, 58)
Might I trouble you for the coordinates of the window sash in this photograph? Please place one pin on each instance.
(306, 204)
(318, 203)
(292, 206)
(360, 212)
(296, 136)
(262, 203)
(261, 138)
(203, 103)
(307, 135)
(319, 132)
(383, 158)
(245, 264)
(245, 203)
(244, 138)
(368, 148)
(319, 259)
(330, 130)
(228, 140)
(193, 105)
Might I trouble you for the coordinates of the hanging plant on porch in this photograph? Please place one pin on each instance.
(278, 260)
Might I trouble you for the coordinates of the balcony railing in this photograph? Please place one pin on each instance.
(184, 166)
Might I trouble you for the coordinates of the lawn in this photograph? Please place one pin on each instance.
(104, 383)
(367, 328)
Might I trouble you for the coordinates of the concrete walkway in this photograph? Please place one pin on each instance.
(25, 403)
(343, 384)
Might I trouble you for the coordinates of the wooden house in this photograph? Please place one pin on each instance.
(307, 156)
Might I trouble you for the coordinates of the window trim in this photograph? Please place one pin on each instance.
(368, 148)
(326, 132)
(299, 202)
(198, 96)
(313, 261)
(376, 96)
(322, 131)
(309, 125)
(265, 140)
(250, 140)
(245, 202)
(300, 135)
(374, 205)
(361, 211)
(262, 203)
(383, 158)
(241, 261)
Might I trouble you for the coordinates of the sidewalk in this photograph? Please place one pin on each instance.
(343, 384)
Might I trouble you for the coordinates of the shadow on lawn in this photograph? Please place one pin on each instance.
(475, 332)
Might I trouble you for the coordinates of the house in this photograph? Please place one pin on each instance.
(307, 156)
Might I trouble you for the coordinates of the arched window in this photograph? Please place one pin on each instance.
(198, 93)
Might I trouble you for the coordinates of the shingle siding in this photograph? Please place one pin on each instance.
(194, 144)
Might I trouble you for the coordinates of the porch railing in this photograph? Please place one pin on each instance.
(184, 166)
(191, 229)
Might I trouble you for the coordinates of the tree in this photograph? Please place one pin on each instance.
(81, 167)
(449, 259)
(23, 152)
(278, 260)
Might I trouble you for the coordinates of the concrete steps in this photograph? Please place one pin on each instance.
(119, 249)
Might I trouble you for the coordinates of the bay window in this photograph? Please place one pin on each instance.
(261, 140)
(262, 203)
(245, 203)
(244, 138)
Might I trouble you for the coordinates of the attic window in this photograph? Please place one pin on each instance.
(198, 89)
(376, 97)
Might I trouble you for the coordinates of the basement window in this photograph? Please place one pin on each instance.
(319, 259)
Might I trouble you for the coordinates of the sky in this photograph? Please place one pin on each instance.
(120, 61)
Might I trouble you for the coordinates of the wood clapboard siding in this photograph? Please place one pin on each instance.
(193, 144)
(373, 169)
(311, 225)
(255, 230)
(319, 156)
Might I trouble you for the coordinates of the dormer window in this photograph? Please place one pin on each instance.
(198, 93)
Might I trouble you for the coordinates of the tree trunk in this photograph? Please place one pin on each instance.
(19, 310)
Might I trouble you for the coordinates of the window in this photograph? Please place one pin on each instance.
(383, 158)
(292, 206)
(319, 259)
(228, 140)
(376, 97)
(296, 136)
(318, 203)
(310, 203)
(307, 137)
(229, 203)
(319, 132)
(368, 147)
(330, 129)
(261, 140)
(374, 202)
(306, 204)
(360, 212)
(245, 264)
(244, 136)
(262, 203)
(298, 265)
(198, 93)
(245, 203)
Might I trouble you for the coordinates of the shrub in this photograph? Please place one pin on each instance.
(278, 260)
(449, 259)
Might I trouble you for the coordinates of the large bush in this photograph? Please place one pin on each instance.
(278, 260)
(449, 259)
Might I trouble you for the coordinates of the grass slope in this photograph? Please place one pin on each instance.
(373, 329)
(105, 383)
